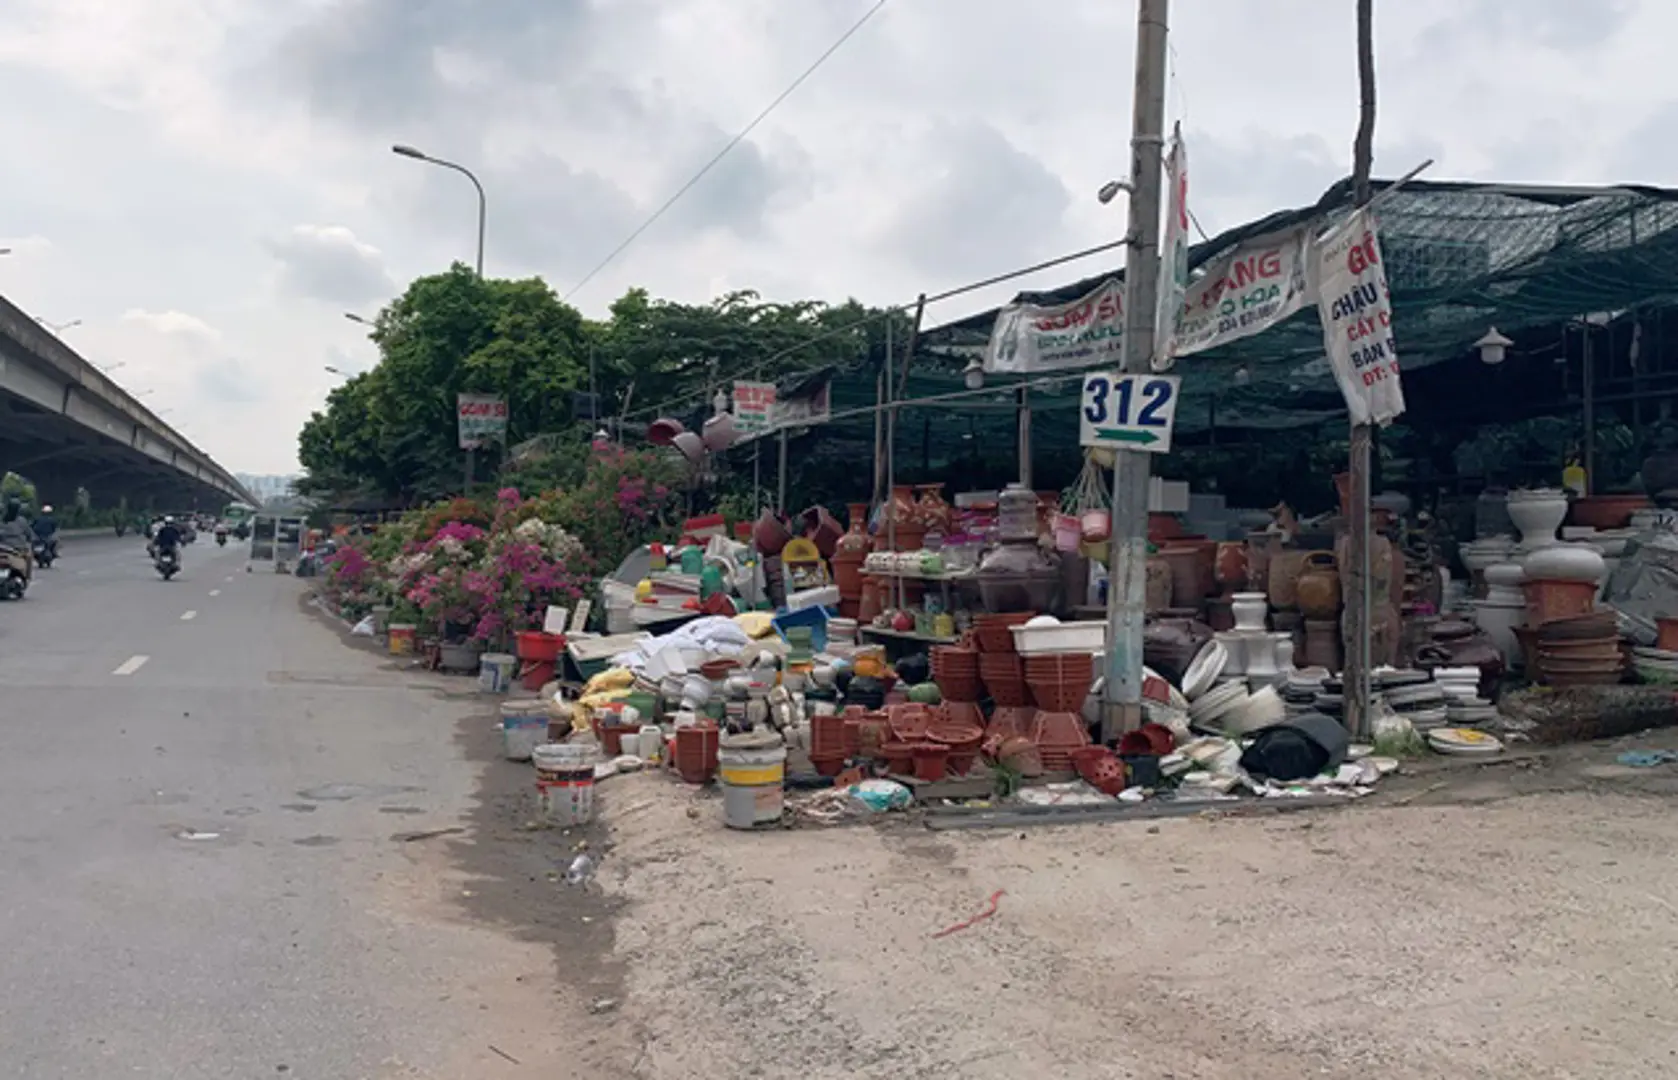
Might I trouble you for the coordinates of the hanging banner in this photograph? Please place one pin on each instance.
(1174, 255)
(754, 409)
(1356, 311)
(1251, 289)
(1038, 337)
(481, 418)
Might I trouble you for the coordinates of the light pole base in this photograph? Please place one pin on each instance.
(1118, 717)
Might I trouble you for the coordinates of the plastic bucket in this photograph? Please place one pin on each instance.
(496, 672)
(564, 783)
(751, 779)
(402, 637)
(524, 726)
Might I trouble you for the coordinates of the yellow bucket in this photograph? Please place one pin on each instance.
(401, 639)
(751, 779)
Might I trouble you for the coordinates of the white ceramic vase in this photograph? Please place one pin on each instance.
(1250, 609)
(1235, 647)
(1537, 514)
(1261, 655)
(1566, 562)
(1499, 620)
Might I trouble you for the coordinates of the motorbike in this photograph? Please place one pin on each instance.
(221, 538)
(45, 550)
(168, 563)
(16, 568)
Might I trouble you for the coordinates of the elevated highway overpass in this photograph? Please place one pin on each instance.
(65, 425)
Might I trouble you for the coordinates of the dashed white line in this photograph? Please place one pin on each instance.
(189, 616)
(215, 592)
(131, 665)
(229, 577)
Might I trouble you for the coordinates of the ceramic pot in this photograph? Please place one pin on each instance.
(1158, 585)
(1537, 514)
(1318, 586)
(822, 529)
(1249, 609)
(1660, 474)
(1322, 643)
(1284, 651)
(1235, 648)
(1381, 568)
(1259, 547)
(1261, 656)
(1230, 565)
(1605, 511)
(1497, 620)
(1566, 562)
(1285, 566)
(1189, 585)
(935, 513)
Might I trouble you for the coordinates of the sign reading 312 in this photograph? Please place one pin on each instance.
(1128, 412)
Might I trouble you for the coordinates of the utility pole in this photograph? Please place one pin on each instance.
(1128, 552)
(1358, 603)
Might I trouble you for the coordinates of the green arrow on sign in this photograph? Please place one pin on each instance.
(1126, 435)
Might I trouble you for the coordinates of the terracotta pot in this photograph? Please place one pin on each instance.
(935, 513)
(931, 760)
(822, 529)
(1605, 511)
(1230, 565)
(1668, 629)
(769, 534)
(1548, 600)
(1322, 643)
(1260, 547)
(1191, 573)
(1159, 585)
(1285, 566)
(1318, 586)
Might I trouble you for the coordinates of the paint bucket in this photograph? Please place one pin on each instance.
(402, 639)
(496, 672)
(564, 783)
(751, 767)
(524, 726)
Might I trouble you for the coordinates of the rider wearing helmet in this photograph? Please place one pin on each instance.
(167, 537)
(46, 526)
(14, 531)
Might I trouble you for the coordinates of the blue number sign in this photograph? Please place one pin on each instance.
(1128, 412)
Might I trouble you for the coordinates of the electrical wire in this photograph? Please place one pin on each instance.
(757, 366)
(739, 138)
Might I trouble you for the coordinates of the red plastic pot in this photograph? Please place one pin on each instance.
(828, 764)
(900, 757)
(696, 752)
(539, 647)
(931, 760)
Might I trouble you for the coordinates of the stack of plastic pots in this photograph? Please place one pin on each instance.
(1059, 684)
(1004, 678)
(827, 743)
(696, 751)
(956, 671)
(958, 728)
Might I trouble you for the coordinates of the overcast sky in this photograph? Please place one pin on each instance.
(208, 184)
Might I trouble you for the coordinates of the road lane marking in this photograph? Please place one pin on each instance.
(228, 578)
(189, 616)
(215, 592)
(131, 665)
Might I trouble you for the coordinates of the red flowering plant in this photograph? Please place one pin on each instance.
(444, 578)
(353, 584)
(531, 565)
(626, 498)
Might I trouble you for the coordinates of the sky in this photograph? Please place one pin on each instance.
(207, 186)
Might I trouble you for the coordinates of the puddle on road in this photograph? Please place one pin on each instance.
(346, 792)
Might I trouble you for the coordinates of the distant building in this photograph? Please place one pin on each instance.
(267, 488)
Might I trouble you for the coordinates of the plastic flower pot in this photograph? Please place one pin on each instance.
(697, 746)
(1056, 735)
(931, 760)
(909, 721)
(1060, 696)
(900, 757)
(827, 734)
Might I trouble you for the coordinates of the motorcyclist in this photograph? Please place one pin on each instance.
(167, 538)
(46, 526)
(14, 531)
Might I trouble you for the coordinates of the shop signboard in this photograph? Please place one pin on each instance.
(805, 406)
(754, 409)
(1128, 412)
(482, 418)
(1356, 311)
(1250, 289)
(1028, 338)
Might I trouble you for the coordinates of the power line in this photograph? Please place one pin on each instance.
(757, 366)
(730, 145)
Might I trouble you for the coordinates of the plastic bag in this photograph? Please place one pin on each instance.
(881, 796)
(364, 628)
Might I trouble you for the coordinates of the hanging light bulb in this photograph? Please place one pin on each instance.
(1493, 347)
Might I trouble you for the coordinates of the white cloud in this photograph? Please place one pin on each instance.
(328, 263)
(175, 145)
(174, 323)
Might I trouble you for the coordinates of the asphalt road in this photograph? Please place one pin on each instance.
(202, 791)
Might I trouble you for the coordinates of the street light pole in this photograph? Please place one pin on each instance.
(1127, 558)
(483, 203)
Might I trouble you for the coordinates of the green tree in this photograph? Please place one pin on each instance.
(393, 429)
